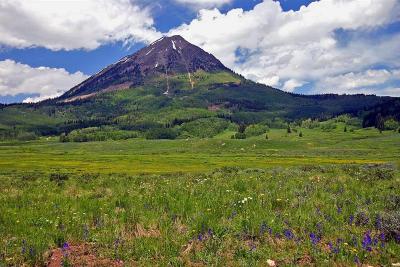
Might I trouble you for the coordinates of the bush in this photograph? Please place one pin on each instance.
(205, 128)
(238, 136)
(161, 133)
(255, 130)
(391, 226)
(26, 136)
(310, 124)
(391, 124)
(102, 133)
(58, 177)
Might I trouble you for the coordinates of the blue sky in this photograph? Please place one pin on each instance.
(276, 43)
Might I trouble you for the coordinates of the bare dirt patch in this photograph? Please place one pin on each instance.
(80, 255)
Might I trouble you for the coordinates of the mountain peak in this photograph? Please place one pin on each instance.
(165, 56)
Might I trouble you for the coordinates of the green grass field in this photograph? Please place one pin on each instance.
(327, 198)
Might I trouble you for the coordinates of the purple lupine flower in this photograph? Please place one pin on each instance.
(351, 219)
(378, 222)
(252, 246)
(397, 238)
(32, 252)
(200, 237)
(66, 246)
(263, 228)
(288, 234)
(339, 209)
(382, 238)
(269, 230)
(319, 228)
(357, 260)
(23, 250)
(210, 233)
(367, 242)
(314, 239)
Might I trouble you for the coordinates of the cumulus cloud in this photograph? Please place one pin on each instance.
(289, 49)
(355, 82)
(204, 3)
(17, 78)
(73, 24)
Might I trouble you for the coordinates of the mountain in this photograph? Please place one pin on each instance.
(174, 88)
(165, 57)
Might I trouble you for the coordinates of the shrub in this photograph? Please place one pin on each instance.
(301, 134)
(310, 124)
(206, 127)
(391, 124)
(391, 226)
(58, 177)
(255, 130)
(26, 136)
(288, 129)
(238, 136)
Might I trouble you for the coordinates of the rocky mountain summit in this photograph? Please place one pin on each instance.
(164, 57)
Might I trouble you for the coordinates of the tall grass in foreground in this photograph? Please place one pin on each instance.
(330, 215)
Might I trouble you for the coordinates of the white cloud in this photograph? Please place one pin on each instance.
(355, 82)
(292, 84)
(290, 49)
(17, 78)
(73, 24)
(204, 3)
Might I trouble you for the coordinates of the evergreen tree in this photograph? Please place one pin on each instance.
(266, 136)
(345, 129)
(289, 130)
(379, 122)
(300, 134)
(242, 128)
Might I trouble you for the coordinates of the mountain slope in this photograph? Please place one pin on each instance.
(170, 84)
(165, 57)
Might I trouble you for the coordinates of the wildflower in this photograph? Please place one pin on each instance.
(288, 234)
(333, 249)
(339, 209)
(367, 242)
(263, 228)
(351, 219)
(210, 232)
(314, 239)
(65, 246)
(252, 246)
(23, 250)
(356, 260)
(378, 222)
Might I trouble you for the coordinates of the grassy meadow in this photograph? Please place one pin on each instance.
(328, 198)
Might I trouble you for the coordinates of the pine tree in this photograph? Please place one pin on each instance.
(266, 136)
(288, 129)
(300, 134)
(345, 129)
(379, 122)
